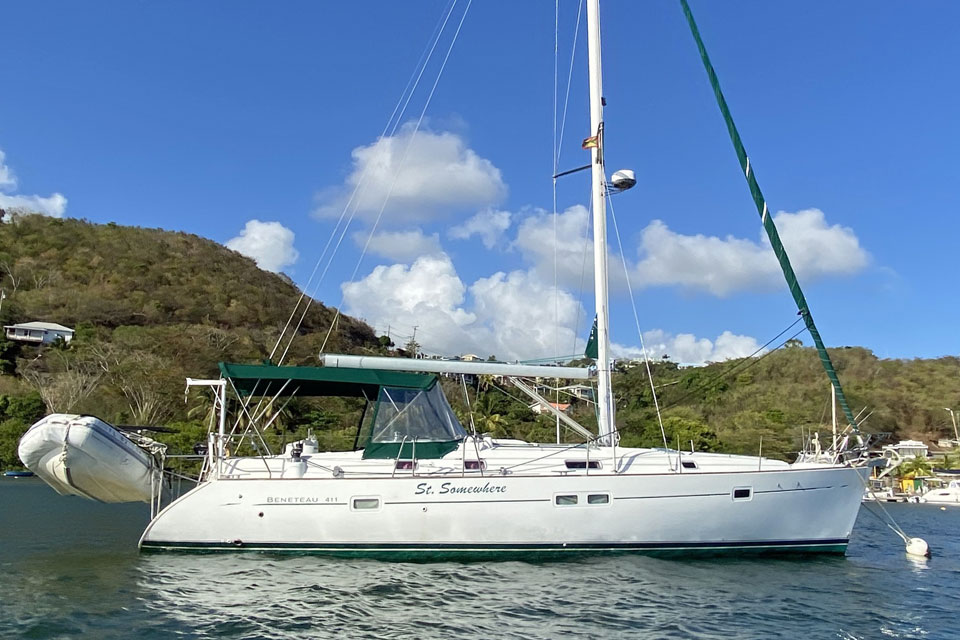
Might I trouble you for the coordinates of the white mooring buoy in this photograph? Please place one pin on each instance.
(918, 547)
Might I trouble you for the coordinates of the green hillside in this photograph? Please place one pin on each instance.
(731, 405)
(152, 307)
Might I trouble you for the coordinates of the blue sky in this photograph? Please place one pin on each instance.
(203, 117)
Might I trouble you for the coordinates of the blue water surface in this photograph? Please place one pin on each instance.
(69, 568)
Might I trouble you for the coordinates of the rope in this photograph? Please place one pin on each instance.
(892, 524)
(767, 221)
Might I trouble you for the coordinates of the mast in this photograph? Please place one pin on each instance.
(605, 397)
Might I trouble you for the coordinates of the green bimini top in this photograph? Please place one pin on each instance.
(268, 379)
(411, 416)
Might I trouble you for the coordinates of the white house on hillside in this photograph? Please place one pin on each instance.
(38, 332)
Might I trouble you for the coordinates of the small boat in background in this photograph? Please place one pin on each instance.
(946, 495)
(17, 474)
(85, 456)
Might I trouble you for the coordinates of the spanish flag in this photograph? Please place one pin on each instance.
(590, 143)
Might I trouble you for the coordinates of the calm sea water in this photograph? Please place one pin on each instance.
(69, 568)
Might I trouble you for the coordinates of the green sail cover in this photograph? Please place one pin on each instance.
(767, 220)
(592, 350)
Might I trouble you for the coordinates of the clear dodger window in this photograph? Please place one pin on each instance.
(415, 414)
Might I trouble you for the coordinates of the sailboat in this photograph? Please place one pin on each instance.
(419, 483)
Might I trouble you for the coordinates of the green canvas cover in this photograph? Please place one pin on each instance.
(267, 379)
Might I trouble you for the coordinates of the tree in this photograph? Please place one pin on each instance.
(63, 381)
(486, 417)
(412, 348)
(138, 375)
(918, 466)
(9, 350)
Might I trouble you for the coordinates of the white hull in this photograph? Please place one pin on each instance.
(788, 509)
(949, 495)
(84, 456)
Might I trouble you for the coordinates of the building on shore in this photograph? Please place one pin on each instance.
(38, 332)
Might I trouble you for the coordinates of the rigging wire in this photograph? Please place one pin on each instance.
(391, 126)
(556, 290)
(403, 158)
(566, 98)
(740, 367)
(636, 318)
(393, 122)
(583, 269)
(617, 430)
(410, 87)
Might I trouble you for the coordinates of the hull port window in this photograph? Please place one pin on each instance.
(598, 498)
(688, 464)
(583, 464)
(565, 501)
(742, 493)
(405, 464)
(474, 465)
(364, 504)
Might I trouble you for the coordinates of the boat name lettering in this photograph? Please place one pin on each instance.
(426, 489)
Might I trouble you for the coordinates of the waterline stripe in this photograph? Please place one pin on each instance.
(833, 545)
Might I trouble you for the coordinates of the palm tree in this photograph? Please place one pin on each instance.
(485, 417)
(917, 466)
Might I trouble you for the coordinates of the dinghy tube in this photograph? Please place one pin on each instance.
(85, 456)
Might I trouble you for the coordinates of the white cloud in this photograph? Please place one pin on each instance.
(428, 294)
(400, 246)
(8, 181)
(573, 241)
(817, 250)
(54, 205)
(520, 316)
(722, 266)
(507, 315)
(688, 349)
(489, 224)
(428, 175)
(269, 243)
(719, 266)
(511, 315)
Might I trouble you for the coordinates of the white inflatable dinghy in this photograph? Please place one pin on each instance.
(85, 456)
